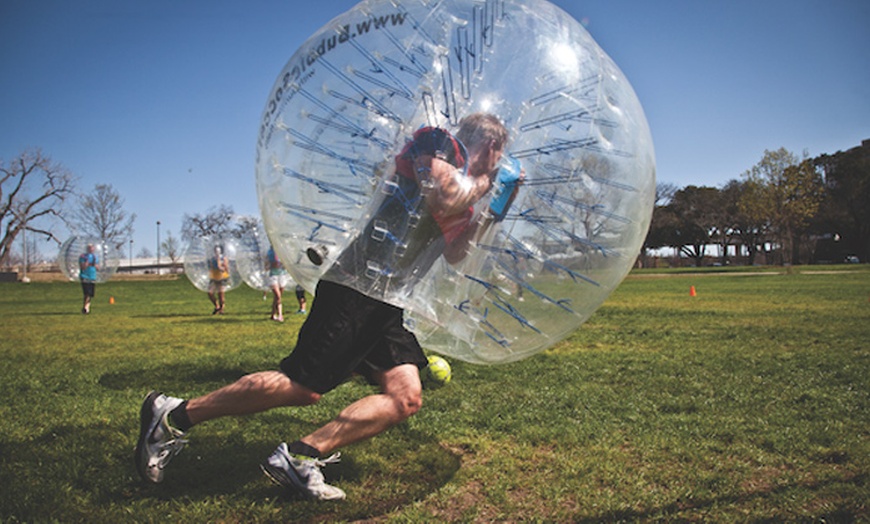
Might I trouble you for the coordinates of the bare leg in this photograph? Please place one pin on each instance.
(277, 308)
(400, 397)
(250, 394)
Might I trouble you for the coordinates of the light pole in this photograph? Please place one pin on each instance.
(158, 247)
(131, 255)
(24, 240)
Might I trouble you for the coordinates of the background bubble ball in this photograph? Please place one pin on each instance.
(201, 250)
(253, 260)
(108, 257)
(348, 100)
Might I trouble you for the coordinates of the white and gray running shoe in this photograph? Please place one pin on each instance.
(301, 474)
(158, 441)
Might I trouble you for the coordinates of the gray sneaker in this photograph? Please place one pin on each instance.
(301, 474)
(158, 441)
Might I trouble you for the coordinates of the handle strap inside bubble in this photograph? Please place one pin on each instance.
(433, 141)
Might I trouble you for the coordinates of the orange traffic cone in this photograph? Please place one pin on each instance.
(111, 300)
(692, 291)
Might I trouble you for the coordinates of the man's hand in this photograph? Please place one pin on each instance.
(449, 191)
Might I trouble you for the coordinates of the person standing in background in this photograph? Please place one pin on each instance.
(219, 275)
(88, 265)
(300, 297)
(278, 278)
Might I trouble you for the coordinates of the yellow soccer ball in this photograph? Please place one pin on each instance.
(437, 373)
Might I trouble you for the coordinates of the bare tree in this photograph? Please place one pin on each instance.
(172, 247)
(29, 252)
(244, 225)
(215, 221)
(32, 188)
(101, 214)
(665, 192)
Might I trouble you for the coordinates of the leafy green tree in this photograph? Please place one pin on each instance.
(802, 193)
(661, 229)
(784, 193)
(663, 223)
(697, 211)
(726, 227)
(749, 231)
(845, 211)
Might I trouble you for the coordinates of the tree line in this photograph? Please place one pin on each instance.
(785, 209)
(38, 195)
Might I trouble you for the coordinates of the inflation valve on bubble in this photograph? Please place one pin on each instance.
(317, 254)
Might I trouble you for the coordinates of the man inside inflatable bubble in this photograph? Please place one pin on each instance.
(439, 178)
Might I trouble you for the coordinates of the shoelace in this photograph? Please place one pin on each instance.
(335, 458)
(170, 448)
(311, 466)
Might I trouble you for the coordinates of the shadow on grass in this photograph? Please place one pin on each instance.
(236, 318)
(178, 377)
(76, 313)
(196, 318)
(168, 315)
(848, 512)
(392, 470)
(87, 474)
(377, 480)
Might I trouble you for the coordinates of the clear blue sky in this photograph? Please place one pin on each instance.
(162, 99)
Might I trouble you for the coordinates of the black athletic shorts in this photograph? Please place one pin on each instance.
(348, 332)
(89, 288)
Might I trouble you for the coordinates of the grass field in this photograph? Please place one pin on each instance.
(748, 402)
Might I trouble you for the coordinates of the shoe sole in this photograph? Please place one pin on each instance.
(280, 477)
(146, 415)
(283, 479)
